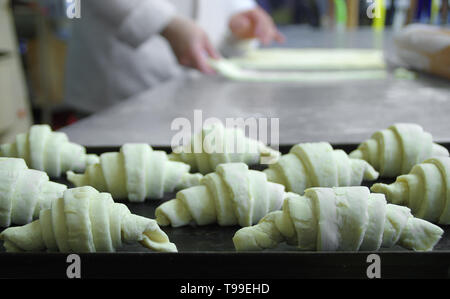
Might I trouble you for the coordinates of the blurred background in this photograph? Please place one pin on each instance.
(33, 45)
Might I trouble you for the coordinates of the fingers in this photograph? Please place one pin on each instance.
(197, 60)
(190, 44)
(199, 57)
(241, 26)
(279, 37)
(260, 25)
(201, 63)
(210, 49)
(265, 29)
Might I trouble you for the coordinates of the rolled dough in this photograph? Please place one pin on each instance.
(311, 59)
(303, 65)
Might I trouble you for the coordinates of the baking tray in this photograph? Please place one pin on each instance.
(208, 252)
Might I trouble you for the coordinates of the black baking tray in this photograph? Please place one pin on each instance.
(208, 252)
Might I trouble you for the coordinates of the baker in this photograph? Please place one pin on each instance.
(121, 48)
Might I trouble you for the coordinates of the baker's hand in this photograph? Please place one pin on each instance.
(255, 23)
(190, 44)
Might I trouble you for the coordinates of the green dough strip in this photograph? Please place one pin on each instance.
(311, 59)
(234, 72)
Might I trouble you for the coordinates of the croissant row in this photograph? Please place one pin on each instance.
(425, 190)
(217, 144)
(84, 220)
(231, 195)
(136, 172)
(24, 192)
(339, 219)
(48, 151)
(323, 207)
(318, 165)
(396, 150)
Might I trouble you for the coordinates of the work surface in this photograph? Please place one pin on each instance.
(338, 112)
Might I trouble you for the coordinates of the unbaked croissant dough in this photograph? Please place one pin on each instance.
(232, 71)
(217, 144)
(318, 165)
(396, 150)
(48, 151)
(136, 172)
(24, 192)
(425, 190)
(311, 59)
(84, 220)
(231, 195)
(339, 219)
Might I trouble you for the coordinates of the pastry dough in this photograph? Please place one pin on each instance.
(84, 220)
(318, 165)
(24, 192)
(425, 190)
(48, 151)
(339, 219)
(311, 59)
(233, 72)
(136, 172)
(218, 145)
(396, 150)
(231, 195)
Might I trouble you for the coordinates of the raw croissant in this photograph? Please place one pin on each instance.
(425, 190)
(396, 150)
(318, 165)
(84, 220)
(218, 145)
(339, 219)
(231, 195)
(48, 151)
(24, 192)
(136, 172)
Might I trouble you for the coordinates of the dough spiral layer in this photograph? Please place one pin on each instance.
(395, 150)
(425, 190)
(48, 151)
(84, 220)
(24, 192)
(318, 165)
(231, 195)
(339, 219)
(136, 172)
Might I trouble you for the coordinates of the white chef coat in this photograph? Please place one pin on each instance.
(15, 113)
(116, 51)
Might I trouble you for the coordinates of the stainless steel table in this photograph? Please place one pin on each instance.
(338, 112)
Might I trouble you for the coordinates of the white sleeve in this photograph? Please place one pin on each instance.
(241, 5)
(135, 20)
